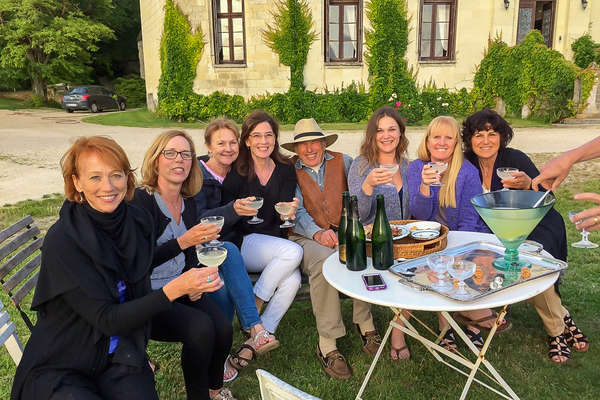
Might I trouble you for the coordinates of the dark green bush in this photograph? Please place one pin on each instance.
(585, 51)
(133, 88)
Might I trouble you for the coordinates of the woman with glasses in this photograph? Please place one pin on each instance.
(221, 137)
(485, 137)
(170, 178)
(261, 170)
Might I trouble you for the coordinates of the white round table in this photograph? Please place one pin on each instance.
(399, 296)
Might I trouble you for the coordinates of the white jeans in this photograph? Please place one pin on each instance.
(278, 259)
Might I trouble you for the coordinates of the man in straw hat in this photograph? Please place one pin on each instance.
(322, 177)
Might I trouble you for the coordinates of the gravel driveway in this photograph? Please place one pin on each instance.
(32, 142)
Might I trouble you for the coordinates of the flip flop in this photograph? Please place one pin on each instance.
(506, 325)
(228, 360)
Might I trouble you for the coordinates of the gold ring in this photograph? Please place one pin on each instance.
(595, 220)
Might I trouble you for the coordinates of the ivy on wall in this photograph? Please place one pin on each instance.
(527, 74)
(386, 44)
(180, 51)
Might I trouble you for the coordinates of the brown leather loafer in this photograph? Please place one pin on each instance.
(370, 340)
(334, 364)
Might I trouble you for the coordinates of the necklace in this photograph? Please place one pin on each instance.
(484, 171)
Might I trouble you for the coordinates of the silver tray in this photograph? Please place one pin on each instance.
(488, 280)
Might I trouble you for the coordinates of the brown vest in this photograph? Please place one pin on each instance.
(324, 206)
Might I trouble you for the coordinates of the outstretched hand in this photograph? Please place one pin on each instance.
(588, 219)
(553, 173)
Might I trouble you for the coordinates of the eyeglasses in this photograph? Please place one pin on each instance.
(257, 136)
(172, 154)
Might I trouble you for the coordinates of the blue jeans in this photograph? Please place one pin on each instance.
(236, 294)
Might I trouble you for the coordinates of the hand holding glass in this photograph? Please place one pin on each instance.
(284, 209)
(439, 263)
(218, 220)
(438, 167)
(506, 173)
(584, 243)
(392, 168)
(461, 270)
(256, 204)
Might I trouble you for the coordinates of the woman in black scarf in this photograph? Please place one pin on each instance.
(93, 294)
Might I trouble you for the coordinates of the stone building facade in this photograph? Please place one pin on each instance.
(446, 42)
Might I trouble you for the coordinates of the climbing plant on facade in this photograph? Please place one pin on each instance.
(386, 44)
(290, 36)
(180, 51)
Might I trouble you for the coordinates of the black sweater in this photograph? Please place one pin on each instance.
(280, 187)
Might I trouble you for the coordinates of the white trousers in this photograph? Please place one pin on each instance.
(278, 259)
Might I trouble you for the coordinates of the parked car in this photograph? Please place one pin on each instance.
(92, 98)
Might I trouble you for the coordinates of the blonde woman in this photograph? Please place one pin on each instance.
(449, 204)
(171, 177)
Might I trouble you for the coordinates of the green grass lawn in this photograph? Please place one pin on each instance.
(143, 118)
(520, 355)
(11, 104)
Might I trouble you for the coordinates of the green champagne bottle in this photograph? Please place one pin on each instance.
(356, 249)
(342, 226)
(381, 238)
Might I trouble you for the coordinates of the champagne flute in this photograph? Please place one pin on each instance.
(256, 204)
(506, 173)
(390, 167)
(211, 256)
(438, 167)
(284, 210)
(439, 263)
(584, 243)
(218, 220)
(462, 270)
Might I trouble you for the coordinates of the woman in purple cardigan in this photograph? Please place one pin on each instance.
(449, 204)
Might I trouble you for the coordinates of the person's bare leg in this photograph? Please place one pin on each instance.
(259, 303)
(399, 349)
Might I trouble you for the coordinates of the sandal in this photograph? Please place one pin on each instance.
(228, 361)
(574, 337)
(224, 394)
(475, 338)
(237, 361)
(399, 353)
(448, 342)
(270, 342)
(558, 348)
(506, 325)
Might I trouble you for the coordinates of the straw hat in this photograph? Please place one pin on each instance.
(306, 130)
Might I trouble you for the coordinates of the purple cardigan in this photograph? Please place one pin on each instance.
(463, 217)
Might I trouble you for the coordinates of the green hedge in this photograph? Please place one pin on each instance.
(586, 51)
(133, 88)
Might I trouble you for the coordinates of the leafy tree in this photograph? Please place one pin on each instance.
(585, 51)
(290, 37)
(386, 42)
(51, 40)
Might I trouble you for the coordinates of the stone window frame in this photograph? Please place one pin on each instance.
(359, 28)
(230, 16)
(432, 36)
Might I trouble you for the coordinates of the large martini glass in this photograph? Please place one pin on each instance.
(511, 216)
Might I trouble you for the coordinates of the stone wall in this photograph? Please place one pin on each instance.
(476, 22)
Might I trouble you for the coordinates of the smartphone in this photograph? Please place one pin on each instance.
(373, 281)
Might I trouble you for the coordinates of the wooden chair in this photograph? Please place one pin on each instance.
(273, 388)
(8, 336)
(20, 259)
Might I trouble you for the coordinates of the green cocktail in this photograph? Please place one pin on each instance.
(511, 216)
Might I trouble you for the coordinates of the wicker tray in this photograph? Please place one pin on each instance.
(408, 247)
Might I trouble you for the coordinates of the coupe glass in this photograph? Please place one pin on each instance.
(461, 270)
(218, 220)
(284, 210)
(584, 243)
(211, 256)
(438, 167)
(256, 204)
(506, 173)
(511, 216)
(392, 168)
(439, 263)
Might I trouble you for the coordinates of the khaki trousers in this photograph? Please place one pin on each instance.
(324, 298)
(550, 309)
